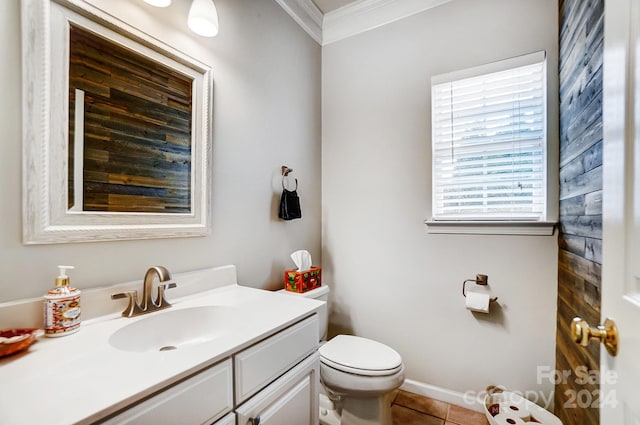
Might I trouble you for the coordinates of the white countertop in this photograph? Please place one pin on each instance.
(81, 378)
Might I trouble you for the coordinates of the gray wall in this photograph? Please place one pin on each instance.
(391, 280)
(266, 114)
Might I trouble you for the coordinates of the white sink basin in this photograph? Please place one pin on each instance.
(173, 329)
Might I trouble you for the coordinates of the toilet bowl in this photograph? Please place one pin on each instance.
(358, 374)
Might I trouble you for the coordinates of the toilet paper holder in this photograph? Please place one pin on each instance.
(481, 279)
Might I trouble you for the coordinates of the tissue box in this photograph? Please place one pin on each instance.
(296, 281)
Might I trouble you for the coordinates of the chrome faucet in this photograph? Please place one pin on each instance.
(148, 304)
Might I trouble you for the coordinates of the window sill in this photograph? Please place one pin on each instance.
(526, 228)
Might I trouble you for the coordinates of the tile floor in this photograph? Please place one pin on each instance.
(413, 409)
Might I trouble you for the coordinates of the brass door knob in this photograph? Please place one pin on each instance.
(607, 334)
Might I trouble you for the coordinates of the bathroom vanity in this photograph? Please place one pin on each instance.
(223, 355)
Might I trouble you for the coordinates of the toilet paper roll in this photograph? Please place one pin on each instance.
(477, 301)
(516, 408)
(507, 419)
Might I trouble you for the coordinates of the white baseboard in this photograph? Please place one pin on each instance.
(443, 394)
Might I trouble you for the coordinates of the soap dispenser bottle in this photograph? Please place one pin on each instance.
(62, 307)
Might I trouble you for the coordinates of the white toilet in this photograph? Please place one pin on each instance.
(358, 375)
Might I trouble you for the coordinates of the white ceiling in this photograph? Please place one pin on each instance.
(327, 6)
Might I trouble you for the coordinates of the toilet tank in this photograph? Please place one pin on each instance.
(320, 294)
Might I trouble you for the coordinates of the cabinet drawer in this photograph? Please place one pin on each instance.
(201, 399)
(260, 364)
(230, 419)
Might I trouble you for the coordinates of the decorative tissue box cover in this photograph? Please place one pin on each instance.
(296, 281)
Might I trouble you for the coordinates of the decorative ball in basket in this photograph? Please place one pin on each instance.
(508, 408)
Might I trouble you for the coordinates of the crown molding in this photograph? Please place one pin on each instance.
(364, 15)
(307, 15)
(352, 19)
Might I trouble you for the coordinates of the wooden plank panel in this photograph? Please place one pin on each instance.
(137, 128)
(573, 290)
(568, 407)
(575, 206)
(172, 166)
(583, 204)
(166, 115)
(572, 304)
(577, 23)
(574, 244)
(114, 59)
(128, 110)
(580, 296)
(590, 181)
(579, 274)
(593, 250)
(593, 203)
(586, 162)
(133, 146)
(590, 271)
(579, 69)
(577, 363)
(586, 225)
(574, 148)
(589, 160)
(586, 82)
(94, 187)
(575, 397)
(591, 114)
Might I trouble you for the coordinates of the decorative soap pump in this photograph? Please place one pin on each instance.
(62, 307)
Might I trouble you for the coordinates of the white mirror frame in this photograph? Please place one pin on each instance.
(45, 148)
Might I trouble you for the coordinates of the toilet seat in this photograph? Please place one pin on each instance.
(360, 356)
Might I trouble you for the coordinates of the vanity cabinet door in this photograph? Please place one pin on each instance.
(199, 400)
(290, 400)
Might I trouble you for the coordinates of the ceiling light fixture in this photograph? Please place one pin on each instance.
(203, 18)
(159, 3)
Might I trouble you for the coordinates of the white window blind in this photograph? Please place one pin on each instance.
(489, 142)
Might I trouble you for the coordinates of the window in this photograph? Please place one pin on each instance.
(490, 142)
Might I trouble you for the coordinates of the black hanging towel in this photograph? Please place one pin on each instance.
(289, 205)
(289, 201)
